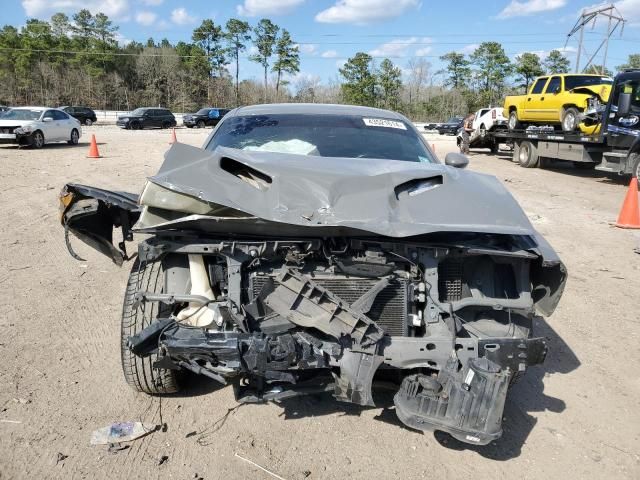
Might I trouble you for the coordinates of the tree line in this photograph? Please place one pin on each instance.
(78, 60)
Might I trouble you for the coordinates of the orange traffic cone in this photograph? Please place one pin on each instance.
(173, 136)
(630, 212)
(93, 148)
(433, 147)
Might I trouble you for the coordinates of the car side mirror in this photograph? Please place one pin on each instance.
(457, 160)
(47, 119)
(624, 104)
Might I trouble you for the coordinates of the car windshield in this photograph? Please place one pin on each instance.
(454, 119)
(203, 111)
(22, 114)
(349, 136)
(138, 111)
(575, 81)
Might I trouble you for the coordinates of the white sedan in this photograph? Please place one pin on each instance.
(36, 126)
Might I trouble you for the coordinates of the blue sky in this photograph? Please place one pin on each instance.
(329, 31)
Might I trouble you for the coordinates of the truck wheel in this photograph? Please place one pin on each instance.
(483, 132)
(513, 123)
(528, 155)
(138, 372)
(570, 119)
(88, 122)
(201, 124)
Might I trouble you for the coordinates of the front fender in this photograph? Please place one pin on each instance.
(91, 213)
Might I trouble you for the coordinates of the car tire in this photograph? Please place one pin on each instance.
(166, 125)
(528, 155)
(135, 126)
(483, 132)
(139, 372)
(570, 120)
(88, 122)
(513, 123)
(201, 124)
(37, 139)
(74, 138)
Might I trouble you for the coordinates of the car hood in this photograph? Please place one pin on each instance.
(383, 197)
(603, 91)
(16, 123)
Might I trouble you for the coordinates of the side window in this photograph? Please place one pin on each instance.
(58, 115)
(555, 84)
(48, 114)
(539, 85)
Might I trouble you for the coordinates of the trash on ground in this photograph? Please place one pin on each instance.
(258, 466)
(120, 432)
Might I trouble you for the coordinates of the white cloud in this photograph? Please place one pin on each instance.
(152, 3)
(469, 49)
(423, 52)
(146, 18)
(329, 54)
(308, 48)
(630, 10)
(362, 12)
(116, 9)
(254, 8)
(180, 16)
(399, 47)
(530, 7)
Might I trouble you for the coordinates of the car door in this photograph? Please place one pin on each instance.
(533, 102)
(51, 128)
(551, 100)
(66, 124)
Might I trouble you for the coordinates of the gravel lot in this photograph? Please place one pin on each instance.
(577, 416)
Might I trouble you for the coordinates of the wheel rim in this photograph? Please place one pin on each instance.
(74, 136)
(88, 122)
(39, 140)
(512, 121)
(524, 153)
(200, 124)
(483, 132)
(569, 121)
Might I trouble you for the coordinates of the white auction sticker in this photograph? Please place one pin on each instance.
(383, 122)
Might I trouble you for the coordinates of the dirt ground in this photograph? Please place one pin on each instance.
(576, 416)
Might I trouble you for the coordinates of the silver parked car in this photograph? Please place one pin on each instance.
(37, 126)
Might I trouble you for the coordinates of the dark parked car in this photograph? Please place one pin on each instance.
(147, 118)
(451, 127)
(311, 248)
(85, 115)
(208, 117)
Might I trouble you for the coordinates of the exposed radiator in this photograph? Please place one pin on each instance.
(389, 309)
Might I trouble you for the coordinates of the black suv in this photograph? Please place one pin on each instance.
(85, 115)
(204, 117)
(147, 118)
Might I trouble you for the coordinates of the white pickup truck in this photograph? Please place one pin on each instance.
(486, 120)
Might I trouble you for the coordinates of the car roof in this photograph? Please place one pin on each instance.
(317, 109)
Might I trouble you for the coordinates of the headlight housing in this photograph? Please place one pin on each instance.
(26, 129)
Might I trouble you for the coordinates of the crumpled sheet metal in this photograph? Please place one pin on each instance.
(358, 194)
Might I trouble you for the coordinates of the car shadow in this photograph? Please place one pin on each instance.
(525, 397)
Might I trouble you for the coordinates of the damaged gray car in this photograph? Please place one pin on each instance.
(313, 248)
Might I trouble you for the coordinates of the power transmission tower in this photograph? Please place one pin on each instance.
(590, 16)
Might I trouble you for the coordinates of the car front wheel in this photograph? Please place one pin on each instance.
(139, 372)
(570, 119)
(37, 139)
(88, 122)
(201, 124)
(75, 136)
